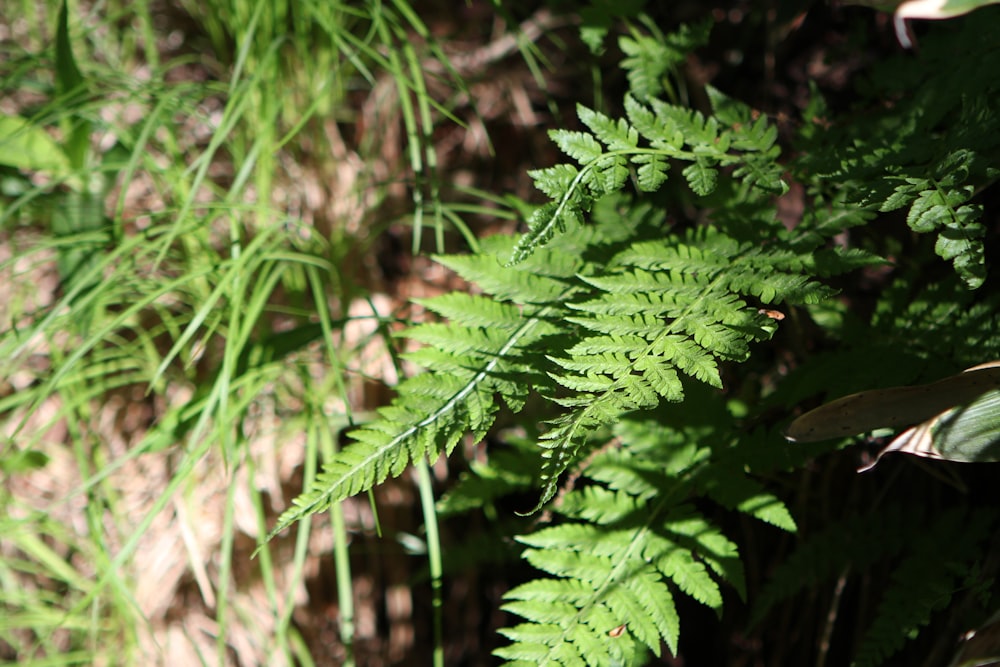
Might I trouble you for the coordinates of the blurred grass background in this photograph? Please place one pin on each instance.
(212, 216)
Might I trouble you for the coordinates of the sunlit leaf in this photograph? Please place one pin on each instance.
(29, 147)
(893, 407)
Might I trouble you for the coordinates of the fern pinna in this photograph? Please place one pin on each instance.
(599, 321)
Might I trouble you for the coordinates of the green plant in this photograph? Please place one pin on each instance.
(188, 304)
(694, 273)
(613, 306)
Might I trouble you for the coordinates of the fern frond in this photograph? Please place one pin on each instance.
(475, 363)
(647, 61)
(631, 542)
(941, 205)
(615, 571)
(473, 310)
(541, 281)
(925, 581)
(631, 360)
(734, 490)
(492, 351)
(434, 414)
(643, 143)
(650, 58)
(856, 542)
(637, 316)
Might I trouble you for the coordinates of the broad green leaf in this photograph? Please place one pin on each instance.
(939, 9)
(967, 434)
(70, 83)
(23, 461)
(29, 147)
(893, 407)
(924, 9)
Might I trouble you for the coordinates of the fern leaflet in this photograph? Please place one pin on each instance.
(645, 141)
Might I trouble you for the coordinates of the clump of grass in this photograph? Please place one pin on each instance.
(187, 241)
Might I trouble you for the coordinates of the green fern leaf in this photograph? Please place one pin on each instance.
(621, 563)
(670, 306)
(474, 310)
(600, 505)
(580, 146)
(736, 491)
(661, 377)
(646, 139)
(903, 194)
(647, 609)
(617, 344)
(588, 383)
(701, 177)
(836, 261)
(647, 61)
(663, 132)
(651, 172)
(641, 327)
(459, 340)
(717, 551)
(857, 542)
(606, 363)
(724, 342)
(360, 466)
(650, 58)
(931, 209)
(546, 220)
(937, 563)
(556, 180)
(612, 173)
(759, 171)
(697, 252)
(729, 111)
(691, 576)
(616, 135)
(690, 357)
(679, 312)
(636, 475)
(959, 232)
(474, 363)
(542, 280)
